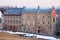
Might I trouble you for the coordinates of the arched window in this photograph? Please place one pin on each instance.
(53, 19)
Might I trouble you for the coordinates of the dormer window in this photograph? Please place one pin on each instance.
(53, 19)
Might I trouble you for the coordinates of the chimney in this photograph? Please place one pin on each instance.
(15, 6)
(53, 7)
(7, 7)
(38, 9)
(24, 7)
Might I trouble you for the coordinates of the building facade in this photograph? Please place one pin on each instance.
(40, 21)
(12, 19)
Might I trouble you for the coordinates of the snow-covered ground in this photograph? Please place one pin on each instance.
(29, 34)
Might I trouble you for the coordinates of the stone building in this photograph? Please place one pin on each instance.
(40, 21)
(12, 19)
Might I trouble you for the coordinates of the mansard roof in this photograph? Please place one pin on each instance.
(26, 10)
(13, 11)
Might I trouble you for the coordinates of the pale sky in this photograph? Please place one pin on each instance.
(30, 3)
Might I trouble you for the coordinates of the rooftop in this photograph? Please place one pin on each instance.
(13, 11)
(58, 11)
(26, 10)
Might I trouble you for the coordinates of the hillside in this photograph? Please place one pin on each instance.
(7, 36)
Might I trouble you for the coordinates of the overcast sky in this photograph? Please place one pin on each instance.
(30, 3)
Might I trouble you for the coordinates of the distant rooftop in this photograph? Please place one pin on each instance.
(58, 11)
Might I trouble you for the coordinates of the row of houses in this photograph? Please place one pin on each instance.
(32, 20)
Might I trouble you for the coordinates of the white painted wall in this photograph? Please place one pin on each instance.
(1, 26)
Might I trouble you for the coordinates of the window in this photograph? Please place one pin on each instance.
(38, 17)
(23, 16)
(28, 28)
(19, 21)
(19, 16)
(38, 22)
(14, 28)
(10, 28)
(6, 16)
(33, 28)
(23, 29)
(53, 19)
(38, 31)
(48, 16)
(43, 16)
(13, 16)
(28, 16)
(28, 22)
(5, 20)
(39, 28)
(24, 22)
(33, 22)
(13, 21)
(43, 22)
(48, 22)
(8, 21)
(33, 16)
(16, 21)
(50, 27)
(16, 16)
